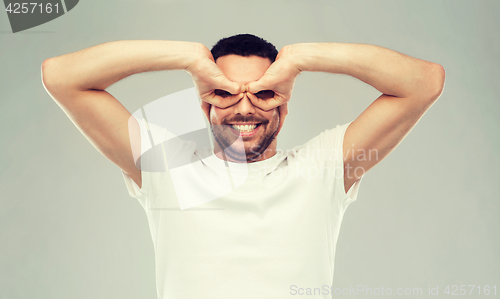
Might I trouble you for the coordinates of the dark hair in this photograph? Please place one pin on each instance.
(244, 45)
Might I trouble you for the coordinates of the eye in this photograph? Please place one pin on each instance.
(222, 93)
(265, 94)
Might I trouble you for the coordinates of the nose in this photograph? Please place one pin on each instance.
(244, 106)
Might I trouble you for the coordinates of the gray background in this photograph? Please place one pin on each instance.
(427, 215)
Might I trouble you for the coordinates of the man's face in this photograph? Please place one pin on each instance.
(258, 128)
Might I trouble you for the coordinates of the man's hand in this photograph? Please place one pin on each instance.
(279, 78)
(409, 87)
(77, 82)
(211, 84)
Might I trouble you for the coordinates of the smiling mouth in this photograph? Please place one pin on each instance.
(245, 130)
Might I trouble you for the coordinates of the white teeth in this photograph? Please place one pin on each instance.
(244, 128)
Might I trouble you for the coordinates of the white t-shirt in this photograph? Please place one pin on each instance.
(259, 230)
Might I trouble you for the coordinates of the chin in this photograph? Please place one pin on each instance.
(236, 148)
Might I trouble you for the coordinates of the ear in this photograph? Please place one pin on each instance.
(283, 112)
(206, 110)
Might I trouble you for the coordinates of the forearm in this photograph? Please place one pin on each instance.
(100, 66)
(388, 71)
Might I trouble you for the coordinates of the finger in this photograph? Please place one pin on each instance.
(229, 101)
(223, 102)
(229, 86)
(265, 105)
(263, 83)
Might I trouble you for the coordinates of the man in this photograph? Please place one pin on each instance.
(273, 234)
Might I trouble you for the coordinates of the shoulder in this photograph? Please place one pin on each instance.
(326, 147)
(327, 139)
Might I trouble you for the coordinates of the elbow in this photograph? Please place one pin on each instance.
(47, 73)
(54, 79)
(431, 83)
(437, 77)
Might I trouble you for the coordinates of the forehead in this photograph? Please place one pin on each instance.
(243, 69)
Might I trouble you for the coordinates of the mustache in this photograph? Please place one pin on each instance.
(244, 119)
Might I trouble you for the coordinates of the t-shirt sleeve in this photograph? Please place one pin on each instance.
(134, 190)
(339, 189)
(331, 143)
(151, 160)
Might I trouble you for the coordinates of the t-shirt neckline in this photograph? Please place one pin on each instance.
(217, 163)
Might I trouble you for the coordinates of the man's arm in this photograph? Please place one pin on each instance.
(409, 87)
(77, 82)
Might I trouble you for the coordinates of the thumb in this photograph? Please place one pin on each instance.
(263, 83)
(229, 86)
